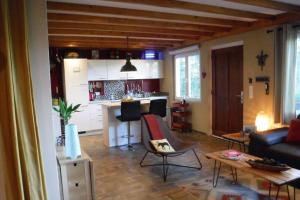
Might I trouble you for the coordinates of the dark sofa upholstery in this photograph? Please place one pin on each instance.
(273, 145)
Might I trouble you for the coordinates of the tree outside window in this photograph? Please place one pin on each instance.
(187, 76)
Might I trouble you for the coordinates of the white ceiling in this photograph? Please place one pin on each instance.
(221, 3)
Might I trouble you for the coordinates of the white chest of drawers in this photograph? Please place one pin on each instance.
(76, 177)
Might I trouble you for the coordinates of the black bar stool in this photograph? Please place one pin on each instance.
(158, 107)
(130, 111)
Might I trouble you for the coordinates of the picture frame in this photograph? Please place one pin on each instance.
(95, 54)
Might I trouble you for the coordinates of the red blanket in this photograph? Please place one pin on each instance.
(154, 128)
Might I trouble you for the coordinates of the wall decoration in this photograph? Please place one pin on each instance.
(95, 54)
(261, 59)
(72, 55)
(266, 81)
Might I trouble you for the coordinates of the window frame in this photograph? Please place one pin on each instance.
(186, 56)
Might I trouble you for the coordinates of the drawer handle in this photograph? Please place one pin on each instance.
(76, 184)
(75, 164)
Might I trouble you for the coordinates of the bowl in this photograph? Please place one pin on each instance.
(268, 167)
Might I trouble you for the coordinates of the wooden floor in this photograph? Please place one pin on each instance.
(119, 176)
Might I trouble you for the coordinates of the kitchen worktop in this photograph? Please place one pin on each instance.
(116, 103)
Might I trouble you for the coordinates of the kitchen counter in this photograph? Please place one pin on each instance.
(115, 131)
(117, 103)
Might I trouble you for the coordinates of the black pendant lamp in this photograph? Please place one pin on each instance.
(128, 67)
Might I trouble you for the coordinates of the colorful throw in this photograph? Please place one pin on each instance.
(154, 128)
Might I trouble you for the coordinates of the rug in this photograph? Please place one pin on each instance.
(248, 187)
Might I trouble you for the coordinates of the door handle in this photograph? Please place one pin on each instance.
(241, 96)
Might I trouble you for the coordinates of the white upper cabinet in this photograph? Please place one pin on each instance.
(97, 70)
(147, 69)
(114, 69)
(155, 69)
(139, 74)
(79, 71)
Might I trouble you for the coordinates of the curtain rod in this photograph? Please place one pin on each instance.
(296, 26)
(280, 28)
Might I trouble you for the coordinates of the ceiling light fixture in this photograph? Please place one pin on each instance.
(128, 67)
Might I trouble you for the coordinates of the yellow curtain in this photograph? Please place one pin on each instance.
(21, 170)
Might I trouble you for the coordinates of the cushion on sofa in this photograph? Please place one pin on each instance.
(294, 131)
(286, 153)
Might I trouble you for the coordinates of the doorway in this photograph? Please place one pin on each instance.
(227, 90)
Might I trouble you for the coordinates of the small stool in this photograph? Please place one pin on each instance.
(130, 111)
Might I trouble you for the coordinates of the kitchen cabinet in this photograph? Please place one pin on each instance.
(76, 81)
(95, 116)
(76, 90)
(141, 72)
(97, 70)
(155, 69)
(146, 69)
(90, 117)
(114, 70)
(81, 119)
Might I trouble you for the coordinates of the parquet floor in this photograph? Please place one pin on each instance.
(119, 176)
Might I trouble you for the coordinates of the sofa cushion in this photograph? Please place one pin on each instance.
(294, 131)
(286, 153)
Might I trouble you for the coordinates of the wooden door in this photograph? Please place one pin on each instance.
(227, 90)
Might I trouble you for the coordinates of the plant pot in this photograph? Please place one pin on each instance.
(72, 144)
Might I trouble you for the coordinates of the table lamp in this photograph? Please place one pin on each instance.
(262, 122)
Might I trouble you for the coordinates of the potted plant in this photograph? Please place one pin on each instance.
(65, 111)
(71, 140)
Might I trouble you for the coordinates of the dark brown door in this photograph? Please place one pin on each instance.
(227, 90)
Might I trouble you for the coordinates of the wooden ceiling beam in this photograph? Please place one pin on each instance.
(199, 7)
(112, 40)
(93, 9)
(102, 45)
(280, 19)
(100, 33)
(109, 43)
(132, 22)
(85, 26)
(270, 4)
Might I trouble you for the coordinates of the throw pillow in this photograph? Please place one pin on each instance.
(294, 131)
(162, 145)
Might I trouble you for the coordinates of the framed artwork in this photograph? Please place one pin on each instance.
(95, 54)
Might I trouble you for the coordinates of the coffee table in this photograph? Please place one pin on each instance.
(241, 139)
(277, 178)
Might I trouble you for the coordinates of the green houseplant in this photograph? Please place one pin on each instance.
(65, 111)
(70, 138)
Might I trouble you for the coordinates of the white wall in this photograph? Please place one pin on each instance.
(40, 69)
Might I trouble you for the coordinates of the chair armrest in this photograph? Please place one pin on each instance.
(271, 137)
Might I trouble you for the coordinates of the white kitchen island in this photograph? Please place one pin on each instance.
(115, 131)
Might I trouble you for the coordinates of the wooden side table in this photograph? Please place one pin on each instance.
(241, 139)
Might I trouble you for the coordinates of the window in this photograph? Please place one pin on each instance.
(187, 76)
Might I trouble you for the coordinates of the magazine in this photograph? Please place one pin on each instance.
(231, 155)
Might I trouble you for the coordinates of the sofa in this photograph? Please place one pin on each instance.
(272, 144)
